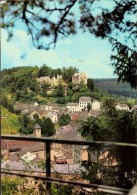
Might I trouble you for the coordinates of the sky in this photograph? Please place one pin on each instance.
(83, 51)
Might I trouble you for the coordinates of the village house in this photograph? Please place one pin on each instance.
(95, 105)
(122, 107)
(65, 133)
(73, 107)
(77, 78)
(45, 107)
(25, 106)
(53, 116)
(40, 113)
(15, 149)
(83, 103)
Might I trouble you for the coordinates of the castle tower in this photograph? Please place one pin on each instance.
(37, 131)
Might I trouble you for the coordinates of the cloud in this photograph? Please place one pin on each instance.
(82, 51)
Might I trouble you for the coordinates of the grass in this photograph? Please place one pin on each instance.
(46, 99)
(10, 124)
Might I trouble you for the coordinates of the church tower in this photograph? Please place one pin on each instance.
(37, 131)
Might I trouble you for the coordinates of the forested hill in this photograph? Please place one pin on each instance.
(113, 87)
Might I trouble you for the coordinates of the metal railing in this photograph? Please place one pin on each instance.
(49, 179)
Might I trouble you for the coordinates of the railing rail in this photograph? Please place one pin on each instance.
(49, 180)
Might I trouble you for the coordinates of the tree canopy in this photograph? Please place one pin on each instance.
(48, 128)
(48, 21)
(65, 119)
(112, 125)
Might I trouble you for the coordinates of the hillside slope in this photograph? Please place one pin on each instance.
(112, 87)
(10, 123)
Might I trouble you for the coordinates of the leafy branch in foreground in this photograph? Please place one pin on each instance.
(48, 21)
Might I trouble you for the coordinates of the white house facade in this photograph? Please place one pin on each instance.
(73, 107)
(83, 102)
(122, 107)
(95, 105)
(53, 116)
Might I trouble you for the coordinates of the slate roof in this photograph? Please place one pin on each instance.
(66, 133)
(33, 148)
(123, 105)
(85, 99)
(19, 144)
(59, 168)
(37, 126)
(72, 104)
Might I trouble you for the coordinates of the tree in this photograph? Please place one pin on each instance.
(67, 73)
(131, 102)
(83, 87)
(27, 125)
(44, 71)
(65, 119)
(48, 128)
(96, 17)
(90, 84)
(10, 185)
(88, 106)
(59, 91)
(112, 125)
(44, 88)
(60, 189)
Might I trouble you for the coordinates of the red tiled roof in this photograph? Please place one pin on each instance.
(16, 143)
(74, 117)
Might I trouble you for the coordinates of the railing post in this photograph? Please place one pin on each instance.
(48, 170)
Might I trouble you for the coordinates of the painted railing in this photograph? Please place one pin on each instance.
(49, 179)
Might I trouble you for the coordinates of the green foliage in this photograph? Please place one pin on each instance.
(131, 102)
(112, 125)
(65, 119)
(5, 103)
(9, 185)
(59, 91)
(83, 88)
(23, 79)
(27, 125)
(48, 71)
(90, 84)
(67, 73)
(89, 107)
(47, 128)
(60, 189)
(11, 123)
(63, 100)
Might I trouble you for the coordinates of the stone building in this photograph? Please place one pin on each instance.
(77, 78)
(54, 81)
(122, 107)
(73, 107)
(83, 102)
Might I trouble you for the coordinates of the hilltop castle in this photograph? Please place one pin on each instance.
(54, 81)
(79, 77)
